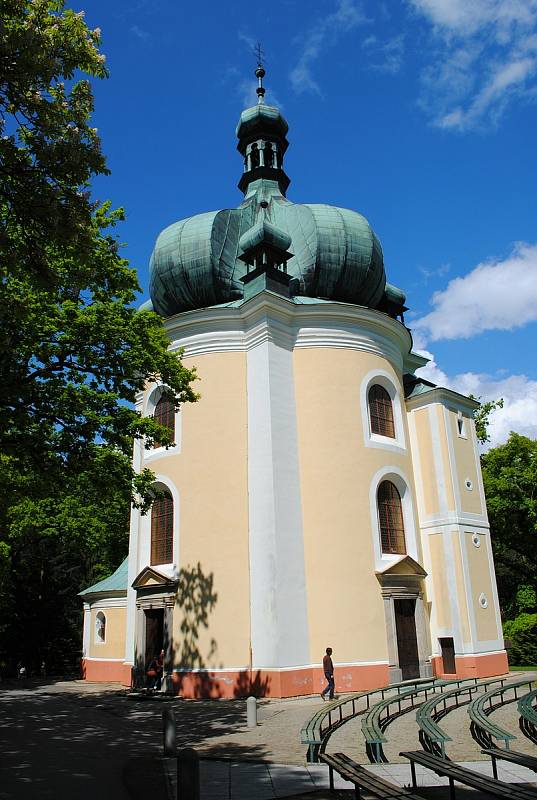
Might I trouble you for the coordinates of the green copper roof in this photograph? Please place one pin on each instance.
(116, 582)
(332, 252)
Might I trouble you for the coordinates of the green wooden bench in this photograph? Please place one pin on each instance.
(528, 715)
(362, 779)
(430, 733)
(316, 730)
(373, 725)
(454, 772)
(496, 754)
(483, 729)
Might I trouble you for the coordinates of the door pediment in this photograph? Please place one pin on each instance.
(150, 577)
(404, 565)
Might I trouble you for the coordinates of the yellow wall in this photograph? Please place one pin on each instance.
(426, 460)
(444, 457)
(466, 464)
(462, 599)
(336, 471)
(114, 644)
(441, 587)
(480, 580)
(210, 475)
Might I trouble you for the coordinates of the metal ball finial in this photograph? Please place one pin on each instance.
(260, 74)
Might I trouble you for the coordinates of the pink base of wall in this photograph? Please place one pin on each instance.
(479, 666)
(104, 671)
(273, 683)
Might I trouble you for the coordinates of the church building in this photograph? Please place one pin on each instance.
(319, 493)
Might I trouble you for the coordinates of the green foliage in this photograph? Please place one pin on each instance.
(510, 480)
(482, 418)
(526, 598)
(522, 632)
(74, 351)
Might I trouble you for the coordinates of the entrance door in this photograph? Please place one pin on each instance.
(407, 642)
(448, 655)
(154, 633)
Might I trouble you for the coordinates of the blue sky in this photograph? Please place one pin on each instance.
(420, 114)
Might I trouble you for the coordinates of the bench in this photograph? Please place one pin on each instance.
(484, 730)
(509, 755)
(453, 772)
(430, 733)
(316, 730)
(373, 726)
(528, 715)
(362, 779)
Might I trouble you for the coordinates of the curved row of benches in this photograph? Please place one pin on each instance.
(377, 717)
(432, 737)
(316, 730)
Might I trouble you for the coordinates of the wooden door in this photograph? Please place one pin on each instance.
(448, 655)
(154, 633)
(407, 642)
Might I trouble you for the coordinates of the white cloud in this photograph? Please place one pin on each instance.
(140, 33)
(495, 295)
(519, 393)
(385, 56)
(480, 58)
(347, 15)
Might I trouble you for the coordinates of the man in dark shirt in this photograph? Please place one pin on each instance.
(328, 668)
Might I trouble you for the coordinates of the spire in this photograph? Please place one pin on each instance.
(260, 91)
(260, 74)
(261, 132)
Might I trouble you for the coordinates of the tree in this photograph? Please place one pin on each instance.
(482, 418)
(74, 351)
(510, 481)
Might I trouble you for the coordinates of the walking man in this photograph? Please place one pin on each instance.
(328, 668)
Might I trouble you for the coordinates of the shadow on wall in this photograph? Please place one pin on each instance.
(197, 599)
(252, 684)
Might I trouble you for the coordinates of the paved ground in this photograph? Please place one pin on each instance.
(82, 740)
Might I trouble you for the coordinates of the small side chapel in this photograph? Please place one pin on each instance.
(319, 493)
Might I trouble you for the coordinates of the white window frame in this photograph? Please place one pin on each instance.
(384, 379)
(162, 482)
(149, 409)
(400, 481)
(96, 637)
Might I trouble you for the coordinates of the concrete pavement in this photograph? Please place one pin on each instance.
(75, 739)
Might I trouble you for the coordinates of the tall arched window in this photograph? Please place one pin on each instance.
(381, 411)
(162, 530)
(390, 510)
(165, 414)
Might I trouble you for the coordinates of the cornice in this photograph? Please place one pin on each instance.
(446, 397)
(270, 317)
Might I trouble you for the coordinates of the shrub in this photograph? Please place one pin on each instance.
(522, 632)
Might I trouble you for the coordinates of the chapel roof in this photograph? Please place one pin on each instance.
(330, 253)
(116, 582)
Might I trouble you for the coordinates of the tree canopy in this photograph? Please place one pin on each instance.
(510, 481)
(74, 350)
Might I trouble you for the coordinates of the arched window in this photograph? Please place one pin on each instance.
(165, 414)
(390, 511)
(100, 627)
(381, 411)
(162, 530)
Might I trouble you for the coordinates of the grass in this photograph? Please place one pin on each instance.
(520, 669)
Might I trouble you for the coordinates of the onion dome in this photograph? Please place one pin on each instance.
(331, 253)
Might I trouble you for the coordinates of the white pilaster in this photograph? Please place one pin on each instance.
(133, 562)
(278, 601)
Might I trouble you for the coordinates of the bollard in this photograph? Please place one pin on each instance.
(168, 731)
(188, 774)
(251, 712)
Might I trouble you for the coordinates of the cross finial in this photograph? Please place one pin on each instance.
(260, 73)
